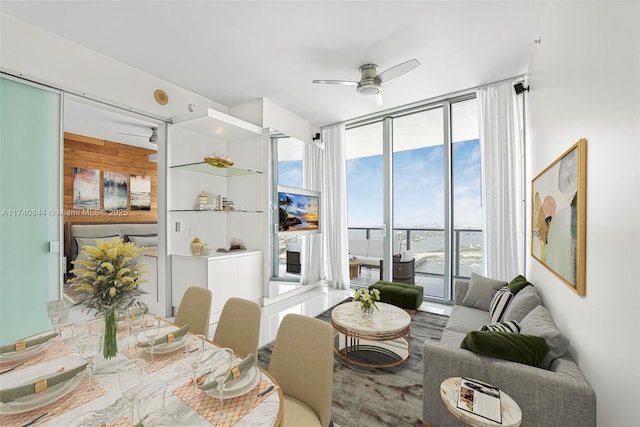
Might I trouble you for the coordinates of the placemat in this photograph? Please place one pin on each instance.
(159, 360)
(54, 351)
(234, 409)
(76, 398)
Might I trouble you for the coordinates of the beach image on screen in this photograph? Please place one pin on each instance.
(297, 212)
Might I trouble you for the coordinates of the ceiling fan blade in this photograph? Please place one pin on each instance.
(398, 70)
(376, 99)
(336, 82)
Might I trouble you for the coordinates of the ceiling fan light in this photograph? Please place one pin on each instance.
(369, 90)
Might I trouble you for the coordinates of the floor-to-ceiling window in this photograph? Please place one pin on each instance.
(434, 191)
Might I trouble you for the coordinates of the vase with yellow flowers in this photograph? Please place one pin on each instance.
(367, 300)
(108, 275)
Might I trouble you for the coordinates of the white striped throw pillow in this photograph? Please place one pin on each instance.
(510, 326)
(499, 304)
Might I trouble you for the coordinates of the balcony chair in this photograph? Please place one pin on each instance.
(239, 327)
(194, 310)
(403, 272)
(302, 364)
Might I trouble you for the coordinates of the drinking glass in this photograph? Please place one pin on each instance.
(130, 374)
(221, 367)
(59, 315)
(135, 317)
(88, 343)
(195, 353)
(151, 329)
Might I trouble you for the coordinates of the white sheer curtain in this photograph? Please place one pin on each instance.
(334, 208)
(312, 256)
(502, 176)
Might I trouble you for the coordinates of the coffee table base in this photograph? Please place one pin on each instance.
(393, 351)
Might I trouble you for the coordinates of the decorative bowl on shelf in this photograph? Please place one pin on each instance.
(218, 162)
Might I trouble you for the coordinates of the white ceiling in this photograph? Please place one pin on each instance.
(233, 52)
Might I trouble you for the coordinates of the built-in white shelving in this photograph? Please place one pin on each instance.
(216, 123)
(206, 168)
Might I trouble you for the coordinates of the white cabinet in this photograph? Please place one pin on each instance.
(226, 275)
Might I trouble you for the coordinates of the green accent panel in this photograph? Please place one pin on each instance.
(29, 207)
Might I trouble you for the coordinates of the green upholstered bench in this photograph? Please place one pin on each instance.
(401, 295)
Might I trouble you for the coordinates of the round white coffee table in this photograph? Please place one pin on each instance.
(386, 332)
(510, 411)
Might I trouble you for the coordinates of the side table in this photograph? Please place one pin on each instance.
(511, 413)
(353, 268)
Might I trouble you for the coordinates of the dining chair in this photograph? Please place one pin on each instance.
(302, 364)
(194, 310)
(239, 327)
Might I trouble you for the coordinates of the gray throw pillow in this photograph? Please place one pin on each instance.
(522, 304)
(539, 323)
(481, 291)
(144, 241)
(91, 241)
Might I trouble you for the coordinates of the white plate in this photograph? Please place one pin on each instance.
(35, 401)
(14, 356)
(167, 347)
(244, 384)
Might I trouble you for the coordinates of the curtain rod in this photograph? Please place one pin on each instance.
(367, 118)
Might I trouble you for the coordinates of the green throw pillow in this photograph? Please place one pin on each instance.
(527, 349)
(518, 284)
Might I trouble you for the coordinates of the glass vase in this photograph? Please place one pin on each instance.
(110, 347)
(367, 310)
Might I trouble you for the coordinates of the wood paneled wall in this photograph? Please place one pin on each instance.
(91, 153)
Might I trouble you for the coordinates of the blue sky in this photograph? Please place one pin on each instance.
(418, 186)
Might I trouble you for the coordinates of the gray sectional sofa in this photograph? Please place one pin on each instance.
(556, 396)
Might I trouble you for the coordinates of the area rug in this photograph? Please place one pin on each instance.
(380, 397)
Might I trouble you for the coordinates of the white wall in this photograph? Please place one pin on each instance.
(585, 82)
(31, 52)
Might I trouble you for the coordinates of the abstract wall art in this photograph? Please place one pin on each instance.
(86, 188)
(558, 216)
(140, 192)
(115, 191)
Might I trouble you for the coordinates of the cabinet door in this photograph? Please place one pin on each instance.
(223, 281)
(186, 271)
(250, 276)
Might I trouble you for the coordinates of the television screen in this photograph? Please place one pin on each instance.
(298, 210)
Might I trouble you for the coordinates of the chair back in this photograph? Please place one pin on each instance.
(194, 310)
(239, 326)
(403, 271)
(302, 362)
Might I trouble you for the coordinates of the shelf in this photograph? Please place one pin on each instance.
(206, 168)
(211, 210)
(216, 123)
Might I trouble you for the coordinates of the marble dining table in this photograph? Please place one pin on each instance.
(166, 393)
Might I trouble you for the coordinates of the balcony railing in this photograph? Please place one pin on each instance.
(427, 245)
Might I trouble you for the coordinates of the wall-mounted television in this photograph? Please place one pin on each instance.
(298, 210)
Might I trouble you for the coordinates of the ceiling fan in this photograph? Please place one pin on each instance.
(370, 84)
(152, 139)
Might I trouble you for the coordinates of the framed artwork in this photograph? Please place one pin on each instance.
(140, 194)
(559, 216)
(115, 191)
(86, 188)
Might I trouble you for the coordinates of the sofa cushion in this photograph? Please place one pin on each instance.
(539, 323)
(358, 247)
(511, 326)
(374, 249)
(525, 301)
(481, 291)
(499, 304)
(464, 319)
(518, 283)
(527, 349)
(452, 339)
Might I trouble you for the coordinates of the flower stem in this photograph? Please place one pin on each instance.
(110, 328)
